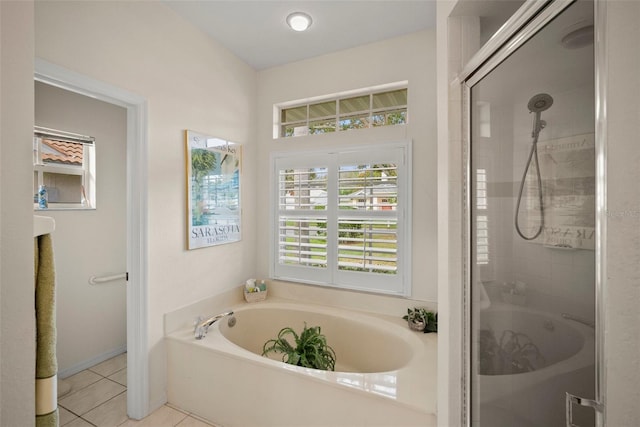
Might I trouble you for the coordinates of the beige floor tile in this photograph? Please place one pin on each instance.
(79, 422)
(91, 396)
(82, 379)
(110, 413)
(65, 416)
(193, 422)
(111, 366)
(120, 377)
(162, 417)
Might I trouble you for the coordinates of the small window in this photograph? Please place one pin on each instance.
(342, 218)
(63, 170)
(364, 110)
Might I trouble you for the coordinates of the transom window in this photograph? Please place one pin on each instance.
(365, 110)
(341, 218)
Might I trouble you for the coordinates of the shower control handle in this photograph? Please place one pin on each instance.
(575, 400)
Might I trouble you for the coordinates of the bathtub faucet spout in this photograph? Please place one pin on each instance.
(202, 326)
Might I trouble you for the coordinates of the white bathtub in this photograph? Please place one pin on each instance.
(568, 349)
(385, 374)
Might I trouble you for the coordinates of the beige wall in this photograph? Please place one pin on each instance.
(90, 242)
(408, 58)
(17, 322)
(190, 82)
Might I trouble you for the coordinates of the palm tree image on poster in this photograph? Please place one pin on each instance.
(213, 190)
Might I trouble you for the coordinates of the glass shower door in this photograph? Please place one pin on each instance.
(532, 242)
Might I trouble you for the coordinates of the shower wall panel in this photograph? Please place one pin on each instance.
(558, 278)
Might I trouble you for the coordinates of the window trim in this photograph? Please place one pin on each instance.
(334, 277)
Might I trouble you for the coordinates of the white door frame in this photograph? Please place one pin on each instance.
(137, 325)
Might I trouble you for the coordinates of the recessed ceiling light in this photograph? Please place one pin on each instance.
(299, 21)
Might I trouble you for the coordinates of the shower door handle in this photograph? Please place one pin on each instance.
(575, 400)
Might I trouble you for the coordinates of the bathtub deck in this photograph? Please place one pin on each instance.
(233, 387)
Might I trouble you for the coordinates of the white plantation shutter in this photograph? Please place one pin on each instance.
(367, 220)
(359, 245)
(342, 218)
(296, 245)
(302, 225)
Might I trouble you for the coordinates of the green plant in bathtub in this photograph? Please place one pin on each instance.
(515, 353)
(310, 349)
(421, 319)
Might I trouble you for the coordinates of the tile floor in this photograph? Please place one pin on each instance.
(98, 397)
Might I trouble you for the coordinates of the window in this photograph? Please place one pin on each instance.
(64, 164)
(371, 109)
(342, 218)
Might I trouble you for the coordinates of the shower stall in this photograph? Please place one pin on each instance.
(530, 298)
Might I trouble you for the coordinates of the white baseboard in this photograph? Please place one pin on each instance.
(91, 362)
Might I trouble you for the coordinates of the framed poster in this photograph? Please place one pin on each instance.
(213, 190)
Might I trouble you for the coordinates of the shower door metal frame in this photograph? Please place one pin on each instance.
(522, 26)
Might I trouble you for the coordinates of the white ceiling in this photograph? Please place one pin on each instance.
(256, 31)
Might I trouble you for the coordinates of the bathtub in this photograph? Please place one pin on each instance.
(568, 349)
(385, 374)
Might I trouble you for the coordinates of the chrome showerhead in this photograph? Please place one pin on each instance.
(540, 102)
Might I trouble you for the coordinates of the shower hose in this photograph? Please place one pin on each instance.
(533, 155)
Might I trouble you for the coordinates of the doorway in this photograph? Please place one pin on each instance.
(90, 214)
(136, 219)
